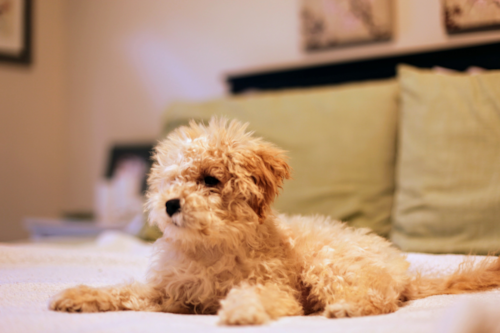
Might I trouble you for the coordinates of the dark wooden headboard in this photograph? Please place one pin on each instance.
(486, 56)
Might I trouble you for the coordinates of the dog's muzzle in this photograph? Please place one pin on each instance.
(173, 206)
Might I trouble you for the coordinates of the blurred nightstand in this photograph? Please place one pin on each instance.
(43, 228)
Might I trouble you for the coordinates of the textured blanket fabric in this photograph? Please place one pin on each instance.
(31, 273)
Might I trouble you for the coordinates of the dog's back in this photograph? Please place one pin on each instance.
(364, 274)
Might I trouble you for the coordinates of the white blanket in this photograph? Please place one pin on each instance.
(31, 273)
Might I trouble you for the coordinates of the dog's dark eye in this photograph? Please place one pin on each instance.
(211, 181)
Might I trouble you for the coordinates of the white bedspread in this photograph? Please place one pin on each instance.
(31, 273)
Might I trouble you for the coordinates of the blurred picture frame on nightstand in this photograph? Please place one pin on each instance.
(118, 202)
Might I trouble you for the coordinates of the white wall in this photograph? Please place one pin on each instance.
(130, 59)
(33, 126)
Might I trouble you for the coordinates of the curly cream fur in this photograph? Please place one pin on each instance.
(227, 252)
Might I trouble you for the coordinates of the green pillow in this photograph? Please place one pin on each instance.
(448, 174)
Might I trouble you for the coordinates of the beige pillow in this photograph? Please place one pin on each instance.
(340, 140)
(448, 176)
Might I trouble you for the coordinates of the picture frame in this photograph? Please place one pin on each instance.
(119, 154)
(336, 23)
(16, 31)
(463, 16)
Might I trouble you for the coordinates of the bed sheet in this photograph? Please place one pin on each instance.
(31, 273)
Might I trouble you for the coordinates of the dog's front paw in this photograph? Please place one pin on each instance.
(242, 307)
(82, 299)
(251, 314)
(338, 310)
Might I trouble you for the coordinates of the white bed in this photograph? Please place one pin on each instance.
(31, 273)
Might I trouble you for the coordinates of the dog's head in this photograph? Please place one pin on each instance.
(214, 180)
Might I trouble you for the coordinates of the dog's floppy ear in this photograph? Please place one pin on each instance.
(269, 168)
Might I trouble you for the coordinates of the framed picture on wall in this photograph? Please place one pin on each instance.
(15, 31)
(333, 23)
(471, 15)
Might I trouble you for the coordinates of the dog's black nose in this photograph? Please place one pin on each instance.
(173, 206)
